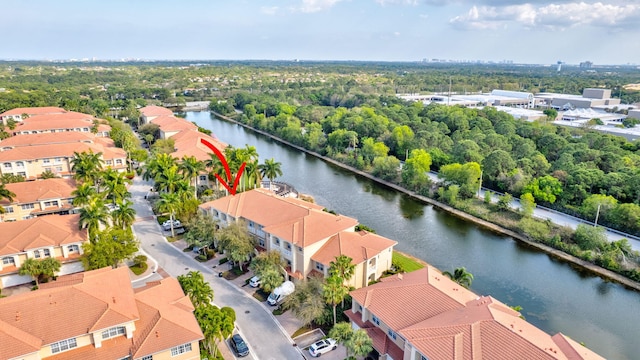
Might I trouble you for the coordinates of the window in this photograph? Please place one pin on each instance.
(203, 177)
(46, 161)
(288, 246)
(108, 162)
(261, 242)
(19, 163)
(58, 168)
(22, 173)
(63, 345)
(148, 357)
(113, 332)
(118, 161)
(319, 267)
(7, 165)
(9, 260)
(300, 248)
(58, 159)
(375, 320)
(251, 224)
(85, 129)
(277, 241)
(8, 209)
(47, 253)
(36, 254)
(73, 248)
(391, 334)
(424, 358)
(27, 206)
(51, 203)
(180, 349)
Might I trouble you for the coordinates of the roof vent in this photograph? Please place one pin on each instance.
(157, 333)
(113, 299)
(17, 315)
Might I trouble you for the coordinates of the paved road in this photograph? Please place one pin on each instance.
(266, 339)
(558, 218)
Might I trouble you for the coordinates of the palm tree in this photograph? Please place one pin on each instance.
(196, 287)
(123, 216)
(621, 249)
(168, 179)
(49, 267)
(116, 185)
(254, 177)
(334, 292)
(359, 344)
(169, 203)
(92, 216)
(156, 165)
(32, 268)
(83, 193)
(342, 267)
(271, 170)
(306, 302)
(86, 165)
(191, 168)
(461, 276)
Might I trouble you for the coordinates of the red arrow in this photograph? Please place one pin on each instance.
(223, 161)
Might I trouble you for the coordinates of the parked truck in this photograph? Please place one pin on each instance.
(281, 292)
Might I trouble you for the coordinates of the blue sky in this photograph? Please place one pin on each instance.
(538, 31)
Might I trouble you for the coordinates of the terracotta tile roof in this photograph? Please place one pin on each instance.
(430, 312)
(187, 143)
(359, 246)
(34, 111)
(175, 324)
(172, 123)
(293, 220)
(26, 153)
(417, 295)
(114, 348)
(102, 294)
(41, 190)
(52, 230)
(153, 110)
(69, 120)
(16, 342)
(53, 138)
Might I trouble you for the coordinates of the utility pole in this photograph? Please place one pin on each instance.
(595, 223)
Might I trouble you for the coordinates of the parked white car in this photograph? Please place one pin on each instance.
(322, 347)
(255, 281)
(167, 225)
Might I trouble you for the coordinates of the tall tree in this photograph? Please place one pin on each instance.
(169, 203)
(191, 167)
(124, 215)
(461, 276)
(115, 184)
(83, 194)
(271, 169)
(197, 288)
(110, 247)
(39, 268)
(343, 267)
(306, 301)
(92, 216)
(5, 194)
(86, 166)
(334, 292)
(236, 242)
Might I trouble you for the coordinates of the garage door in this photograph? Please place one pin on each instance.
(15, 279)
(71, 268)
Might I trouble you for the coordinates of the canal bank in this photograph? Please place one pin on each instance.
(595, 269)
(555, 295)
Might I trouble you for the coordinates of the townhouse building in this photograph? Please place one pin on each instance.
(18, 114)
(111, 320)
(307, 237)
(60, 123)
(38, 198)
(54, 236)
(425, 315)
(31, 161)
(151, 112)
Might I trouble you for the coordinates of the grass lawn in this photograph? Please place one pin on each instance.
(408, 263)
(302, 330)
(139, 270)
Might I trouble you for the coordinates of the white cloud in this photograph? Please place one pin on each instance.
(397, 2)
(310, 6)
(269, 10)
(552, 16)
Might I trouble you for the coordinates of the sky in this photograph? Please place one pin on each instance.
(532, 32)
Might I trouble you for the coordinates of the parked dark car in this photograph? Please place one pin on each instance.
(239, 346)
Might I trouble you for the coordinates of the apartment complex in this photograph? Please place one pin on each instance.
(187, 139)
(19, 114)
(111, 320)
(60, 123)
(53, 236)
(424, 315)
(36, 198)
(307, 237)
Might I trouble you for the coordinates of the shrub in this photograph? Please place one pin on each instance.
(590, 237)
(223, 260)
(139, 260)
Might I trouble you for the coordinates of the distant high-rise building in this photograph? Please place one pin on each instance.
(559, 65)
(586, 65)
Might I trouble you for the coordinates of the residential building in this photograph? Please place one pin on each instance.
(151, 112)
(305, 235)
(54, 236)
(37, 198)
(32, 161)
(18, 113)
(424, 315)
(371, 255)
(54, 138)
(111, 320)
(59, 123)
(171, 125)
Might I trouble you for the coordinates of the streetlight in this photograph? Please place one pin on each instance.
(595, 223)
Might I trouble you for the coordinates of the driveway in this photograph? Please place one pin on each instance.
(264, 335)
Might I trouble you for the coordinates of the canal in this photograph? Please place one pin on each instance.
(554, 296)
